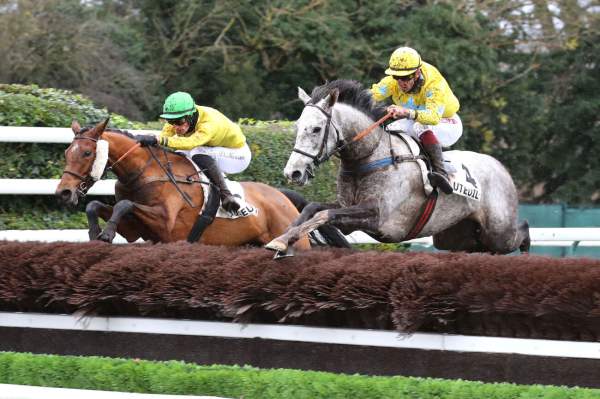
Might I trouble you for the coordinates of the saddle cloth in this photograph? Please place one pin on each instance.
(463, 181)
(246, 209)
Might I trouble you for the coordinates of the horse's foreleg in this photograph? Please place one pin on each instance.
(93, 210)
(120, 209)
(351, 218)
(310, 210)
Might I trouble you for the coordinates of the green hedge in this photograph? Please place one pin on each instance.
(30, 105)
(181, 378)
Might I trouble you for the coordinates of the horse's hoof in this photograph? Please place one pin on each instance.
(106, 237)
(276, 245)
(94, 234)
(287, 254)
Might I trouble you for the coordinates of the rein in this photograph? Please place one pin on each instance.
(122, 157)
(172, 178)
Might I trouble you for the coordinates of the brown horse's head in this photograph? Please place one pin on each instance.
(81, 161)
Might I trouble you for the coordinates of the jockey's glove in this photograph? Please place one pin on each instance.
(147, 140)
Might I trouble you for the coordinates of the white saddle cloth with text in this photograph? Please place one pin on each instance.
(463, 181)
(246, 209)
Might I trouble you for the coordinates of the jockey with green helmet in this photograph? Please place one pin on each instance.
(207, 137)
(425, 105)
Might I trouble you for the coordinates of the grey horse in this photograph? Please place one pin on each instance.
(386, 200)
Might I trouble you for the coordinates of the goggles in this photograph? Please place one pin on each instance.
(406, 78)
(176, 122)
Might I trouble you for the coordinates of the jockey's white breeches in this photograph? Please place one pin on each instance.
(229, 160)
(448, 131)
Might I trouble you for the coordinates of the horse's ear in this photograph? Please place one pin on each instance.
(303, 96)
(99, 128)
(333, 97)
(75, 127)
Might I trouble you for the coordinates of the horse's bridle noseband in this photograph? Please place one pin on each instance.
(87, 181)
(323, 155)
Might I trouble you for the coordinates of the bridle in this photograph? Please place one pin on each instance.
(340, 144)
(87, 181)
(323, 155)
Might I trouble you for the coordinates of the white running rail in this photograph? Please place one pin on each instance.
(48, 187)
(297, 333)
(22, 134)
(8, 391)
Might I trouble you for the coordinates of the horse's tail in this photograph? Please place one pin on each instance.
(328, 235)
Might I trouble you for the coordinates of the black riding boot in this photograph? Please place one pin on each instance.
(211, 170)
(438, 177)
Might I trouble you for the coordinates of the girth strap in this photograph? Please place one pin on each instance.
(207, 216)
(424, 217)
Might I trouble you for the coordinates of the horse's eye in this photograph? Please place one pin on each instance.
(87, 153)
(316, 129)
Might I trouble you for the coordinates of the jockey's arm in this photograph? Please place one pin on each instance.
(196, 139)
(434, 107)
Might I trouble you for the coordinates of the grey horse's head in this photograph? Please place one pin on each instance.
(312, 142)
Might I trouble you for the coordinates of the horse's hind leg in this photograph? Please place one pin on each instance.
(503, 236)
(526, 239)
(463, 236)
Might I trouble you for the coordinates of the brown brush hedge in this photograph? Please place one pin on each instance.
(509, 296)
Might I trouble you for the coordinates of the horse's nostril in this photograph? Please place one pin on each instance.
(296, 175)
(65, 194)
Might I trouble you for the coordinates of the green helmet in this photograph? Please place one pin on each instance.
(178, 105)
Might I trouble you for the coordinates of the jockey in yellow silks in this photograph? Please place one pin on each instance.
(207, 137)
(425, 105)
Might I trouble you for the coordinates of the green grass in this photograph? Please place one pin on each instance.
(180, 378)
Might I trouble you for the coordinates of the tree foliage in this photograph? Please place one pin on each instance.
(526, 73)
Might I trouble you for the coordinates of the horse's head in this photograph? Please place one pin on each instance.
(86, 159)
(316, 137)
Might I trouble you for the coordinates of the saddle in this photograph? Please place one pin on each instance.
(464, 183)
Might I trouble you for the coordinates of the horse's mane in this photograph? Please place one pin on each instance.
(351, 93)
(119, 131)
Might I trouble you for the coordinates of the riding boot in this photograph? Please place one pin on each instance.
(212, 171)
(438, 177)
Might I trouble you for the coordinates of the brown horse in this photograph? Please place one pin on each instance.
(153, 206)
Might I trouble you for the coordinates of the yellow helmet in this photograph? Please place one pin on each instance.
(403, 62)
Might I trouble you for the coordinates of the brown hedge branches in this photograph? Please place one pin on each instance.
(513, 296)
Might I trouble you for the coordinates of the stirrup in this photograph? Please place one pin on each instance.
(438, 180)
